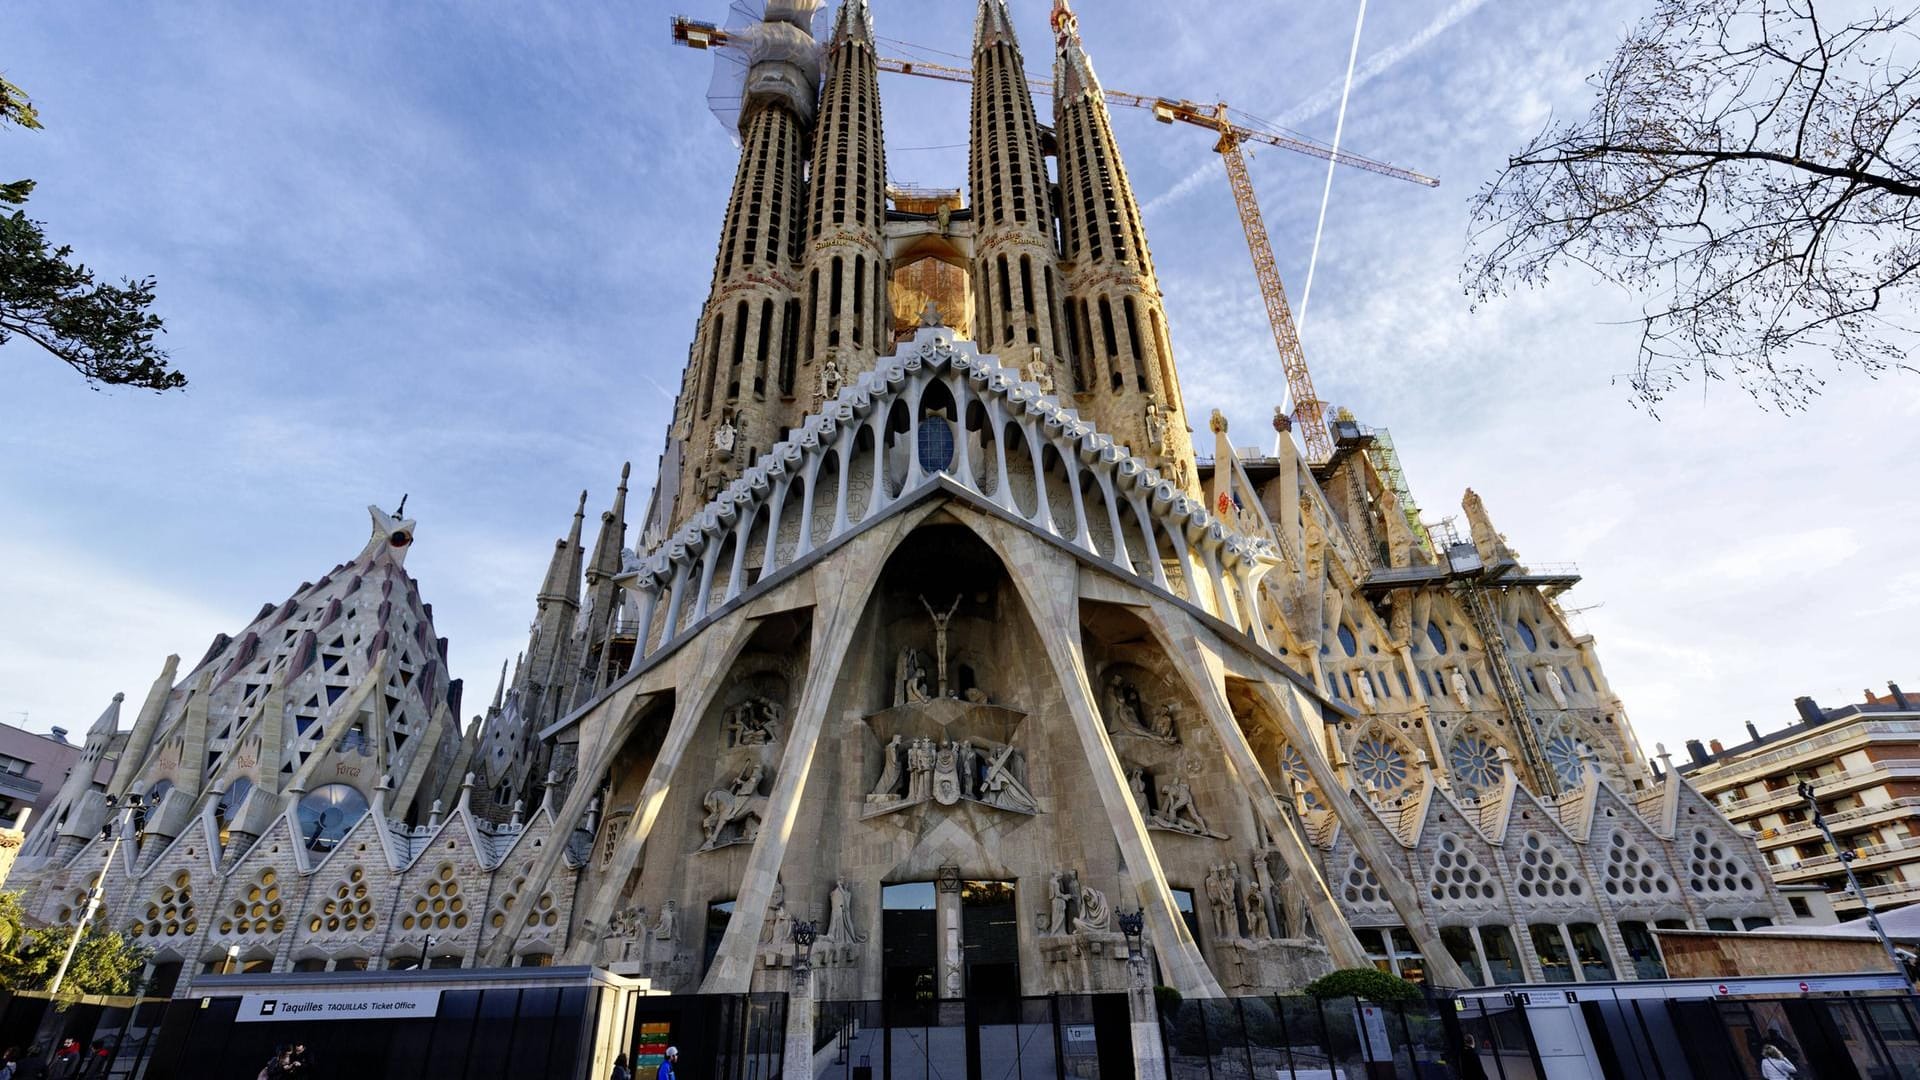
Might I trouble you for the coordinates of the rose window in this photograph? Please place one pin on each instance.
(1379, 763)
(1293, 767)
(1475, 762)
(1568, 757)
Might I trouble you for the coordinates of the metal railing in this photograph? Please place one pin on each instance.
(1830, 862)
(1879, 770)
(1760, 763)
(1805, 828)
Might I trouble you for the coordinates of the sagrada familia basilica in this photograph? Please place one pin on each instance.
(938, 633)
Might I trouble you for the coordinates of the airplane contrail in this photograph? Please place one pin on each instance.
(1328, 96)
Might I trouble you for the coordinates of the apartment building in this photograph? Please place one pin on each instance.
(1863, 760)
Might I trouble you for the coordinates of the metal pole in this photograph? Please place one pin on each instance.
(86, 915)
(1853, 883)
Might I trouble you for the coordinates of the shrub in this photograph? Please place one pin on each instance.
(1368, 983)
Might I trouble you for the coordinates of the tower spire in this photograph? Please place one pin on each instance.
(1018, 314)
(729, 405)
(848, 321)
(1123, 376)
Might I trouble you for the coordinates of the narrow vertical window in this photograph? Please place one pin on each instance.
(859, 299)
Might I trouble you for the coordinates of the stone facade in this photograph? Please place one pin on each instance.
(957, 643)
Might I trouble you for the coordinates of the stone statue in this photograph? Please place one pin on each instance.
(1219, 891)
(1459, 684)
(778, 926)
(1095, 912)
(741, 801)
(1365, 686)
(1256, 910)
(940, 638)
(930, 315)
(753, 722)
(888, 789)
(1163, 722)
(1492, 546)
(1400, 538)
(1555, 687)
(665, 929)
(841, 927)
(1137, 783)
(1156, 426)
(829, 380)
(724, 437)
(1177, 810)
(1127, 713)
(917, 679)
(918, 769)
(1039, 373)
(969, 768)
(1060, 901)
(1002, 787)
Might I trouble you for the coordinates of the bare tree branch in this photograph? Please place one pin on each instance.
(1752, 170)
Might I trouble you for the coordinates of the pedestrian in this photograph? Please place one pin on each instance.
(667, 1071)
(279, 1066)
(10, 1063)
(1471, 1067)
(620, 1070)
(66, 1060)
(1774, 1064)
(298, 1060)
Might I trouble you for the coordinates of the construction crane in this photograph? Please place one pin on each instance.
(1309, 412)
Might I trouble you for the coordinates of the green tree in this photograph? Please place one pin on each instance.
(104, 331)
(105, 963)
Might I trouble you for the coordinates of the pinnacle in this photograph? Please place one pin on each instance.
(993, 25)
(854, 22)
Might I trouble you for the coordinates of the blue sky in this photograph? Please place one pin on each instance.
(456, 250)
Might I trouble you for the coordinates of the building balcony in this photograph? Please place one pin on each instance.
(1883, 896)
(18, 787)
(1816, 749)
(1875, 855)
(1831, 784)
(1891, 810)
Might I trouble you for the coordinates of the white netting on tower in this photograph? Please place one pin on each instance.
(786, 35)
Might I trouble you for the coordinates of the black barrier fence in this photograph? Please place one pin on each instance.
(128, 1033)
(1654, 1038)
(1010, 1038)
(719, 1036)
(1300, 1037)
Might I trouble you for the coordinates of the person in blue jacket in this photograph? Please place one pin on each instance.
(667, 1071)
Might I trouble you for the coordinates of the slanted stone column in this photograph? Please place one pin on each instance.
(799, 1047)
(947, 926)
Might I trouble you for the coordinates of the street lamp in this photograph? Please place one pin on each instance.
(121, 813)
(233, 957)
(426, 948)
(804, 932)
(1853, 883)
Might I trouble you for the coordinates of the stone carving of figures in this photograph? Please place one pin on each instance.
(919, 769)
(1256, 910)
(1002, 787)
(1137, 783)
(940, 641)
(739, 801)
(841, 927)
(1156, 428)
(724, 437)
(754, 722)
(1365, 685)
(917, 680)
(1177, 472)
(969, 767)
(1060, 897)
(1555, 687)
(1219, 899)
(1459, 684)
(1492, 546)
(778, 926)
(1095, 912)
(1163, 722)
(889, 786)
(1177, 810)
(664, 929)
(1037, 372)
(829, 380)
(1128, 713)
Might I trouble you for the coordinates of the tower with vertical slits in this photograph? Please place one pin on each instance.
(729, 407)
(843, 302)
(1122, 371)
(1018, 309)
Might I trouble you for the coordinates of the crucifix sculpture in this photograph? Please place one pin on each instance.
(940, 638)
